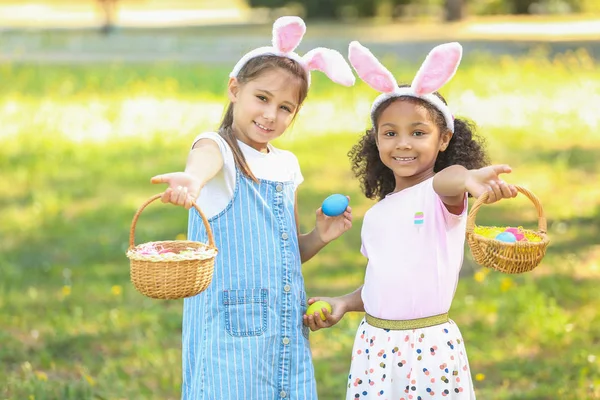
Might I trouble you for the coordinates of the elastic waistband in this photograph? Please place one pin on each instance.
(407, 324)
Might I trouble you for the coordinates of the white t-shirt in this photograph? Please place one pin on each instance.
(276, 165)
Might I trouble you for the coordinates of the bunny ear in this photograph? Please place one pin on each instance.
(287, 33)
(438, 68)
(369, 69)
(331, 63)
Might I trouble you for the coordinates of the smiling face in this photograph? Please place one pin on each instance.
(264, 107)
(408, 140)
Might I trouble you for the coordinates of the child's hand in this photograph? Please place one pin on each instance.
(487, 179)
(314, 322)
(183, 188)
(330, 228)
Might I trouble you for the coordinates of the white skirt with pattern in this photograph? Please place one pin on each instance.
(419, 364)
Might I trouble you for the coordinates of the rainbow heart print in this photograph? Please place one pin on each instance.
(419, 220)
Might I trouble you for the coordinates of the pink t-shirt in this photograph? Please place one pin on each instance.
(415, 248)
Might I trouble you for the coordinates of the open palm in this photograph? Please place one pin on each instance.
(183, 189)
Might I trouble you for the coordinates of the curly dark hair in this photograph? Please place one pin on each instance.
(377, 180)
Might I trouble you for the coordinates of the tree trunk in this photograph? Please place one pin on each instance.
(454, 10)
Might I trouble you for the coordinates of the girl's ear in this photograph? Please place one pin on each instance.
(233, 88)
(375, 138)
(446, 136)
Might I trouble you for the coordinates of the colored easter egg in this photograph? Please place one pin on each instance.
(317, 306)
(506, 237)
(517, 232)
(334, 205)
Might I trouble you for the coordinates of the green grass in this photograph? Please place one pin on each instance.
(79, 144)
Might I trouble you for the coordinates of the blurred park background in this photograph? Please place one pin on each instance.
(97, 97)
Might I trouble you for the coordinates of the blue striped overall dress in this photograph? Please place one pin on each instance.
(243, 338)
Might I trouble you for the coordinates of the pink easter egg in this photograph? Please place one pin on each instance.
(517, 232)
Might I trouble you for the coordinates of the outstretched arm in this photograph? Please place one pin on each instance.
(339, 307)
(453, 182)
(204, 161)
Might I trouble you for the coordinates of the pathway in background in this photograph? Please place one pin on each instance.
(219, 32)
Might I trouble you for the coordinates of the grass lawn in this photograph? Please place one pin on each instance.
(78, 145)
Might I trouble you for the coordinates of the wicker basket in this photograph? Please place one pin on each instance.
(172, 275)
(510, 258)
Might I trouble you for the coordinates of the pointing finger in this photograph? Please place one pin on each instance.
(160, 179)
(502, 169)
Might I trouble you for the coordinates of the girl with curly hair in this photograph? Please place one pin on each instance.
(421, 163)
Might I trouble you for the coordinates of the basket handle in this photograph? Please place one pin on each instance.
(211, 240)
(542, 225)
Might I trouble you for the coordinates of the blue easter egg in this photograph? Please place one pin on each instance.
(334, 205)
(507, 237)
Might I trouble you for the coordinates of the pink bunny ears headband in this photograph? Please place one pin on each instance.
(287, 34)
(438, 68)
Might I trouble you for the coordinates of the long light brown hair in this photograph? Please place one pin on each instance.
(253, 69)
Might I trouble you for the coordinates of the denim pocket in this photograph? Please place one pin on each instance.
(245, 312)
(303, 307)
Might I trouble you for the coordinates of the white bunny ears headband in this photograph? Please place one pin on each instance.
(438, 68)
(287, 34)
